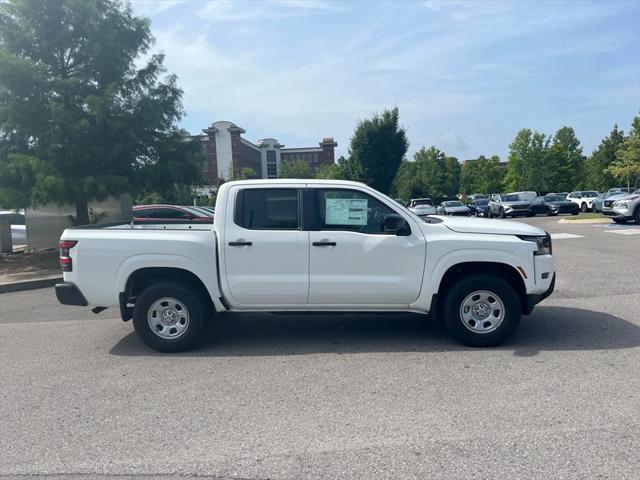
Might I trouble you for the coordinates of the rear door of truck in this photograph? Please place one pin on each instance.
(265, 250)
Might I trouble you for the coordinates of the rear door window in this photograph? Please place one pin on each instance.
(267, 209)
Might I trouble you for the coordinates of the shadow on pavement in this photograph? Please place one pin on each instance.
(548, 328)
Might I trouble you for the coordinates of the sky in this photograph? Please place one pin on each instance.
(465, 75)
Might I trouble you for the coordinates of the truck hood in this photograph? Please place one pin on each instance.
(482, 225)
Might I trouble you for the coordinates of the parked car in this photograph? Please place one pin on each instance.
(583, 198)
(478, 196)
(624, 208)
(553, 205)
(453, 207)
(510, 204)
(174, 214)
(422, 206)
(621, 190)
(202, 210)
(353, 249)
(598, 202)
(528, 196)
(18, 226)
(210, 210)
(479, 207)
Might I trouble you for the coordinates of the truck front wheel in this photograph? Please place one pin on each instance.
(169, 317)
(481, 310)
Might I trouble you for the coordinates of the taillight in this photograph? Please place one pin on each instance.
(65, 260)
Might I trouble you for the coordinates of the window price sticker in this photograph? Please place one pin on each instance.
(346, 211)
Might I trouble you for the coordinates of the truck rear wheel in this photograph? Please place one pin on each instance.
(481, 310)
(169, 317)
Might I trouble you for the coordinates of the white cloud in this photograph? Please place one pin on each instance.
(244, 10)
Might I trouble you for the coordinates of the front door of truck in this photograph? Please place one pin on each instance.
(353, 261)
(266, 253)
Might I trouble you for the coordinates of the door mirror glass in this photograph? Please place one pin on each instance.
(394, 223)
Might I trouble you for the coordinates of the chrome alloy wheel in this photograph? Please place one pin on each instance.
(168, 318)
(482, 311)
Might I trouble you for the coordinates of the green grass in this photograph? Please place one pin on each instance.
(584, 216)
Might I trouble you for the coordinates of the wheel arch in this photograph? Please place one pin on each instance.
(141, 278)
(502, 270)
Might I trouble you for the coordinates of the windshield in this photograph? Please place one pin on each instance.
(453, 204)
(589, 194)
(554, 198)
(424, 201)
(483, 201)
(510, 198)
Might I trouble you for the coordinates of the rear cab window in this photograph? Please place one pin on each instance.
(268, 209)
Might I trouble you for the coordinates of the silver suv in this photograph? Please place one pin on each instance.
(623, 209)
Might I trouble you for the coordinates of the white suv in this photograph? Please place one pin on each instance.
(584, 199)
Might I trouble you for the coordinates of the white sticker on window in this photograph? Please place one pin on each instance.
(346, 211)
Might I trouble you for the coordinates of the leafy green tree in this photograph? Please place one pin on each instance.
(344, 169)
(246, 173)
(438, 174)
(566, 171)
(377, 148)
(407, 184)
(526, 159)
(596, 166)
(79, 119)
(295, 169)
(470, 176)
(483, 175)
(627, 164)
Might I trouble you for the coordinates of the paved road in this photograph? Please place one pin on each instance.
(382, 396)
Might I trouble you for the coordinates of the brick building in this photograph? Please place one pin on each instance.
(227, 152)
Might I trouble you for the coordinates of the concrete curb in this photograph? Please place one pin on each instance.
(29, 284)
(585, 220)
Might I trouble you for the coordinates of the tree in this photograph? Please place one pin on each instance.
(483, 175)
(344, 169)
(470, 176)
(525, 170)
(295, 169)
(565, 171)
(377, 148)
(627, 164)
(438, 174)
(596, 166)
(78, 119)
(246, 173)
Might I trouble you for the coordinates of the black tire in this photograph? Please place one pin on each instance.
(584, 208)
(636, 217)
(502, 213)
(197, 315)
(620, 221)
(575, 213)
(451, 310)
(490, 214)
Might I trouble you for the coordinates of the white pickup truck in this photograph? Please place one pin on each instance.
(309, 246)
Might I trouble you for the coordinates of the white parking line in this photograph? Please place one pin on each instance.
(560, 236)
(626, 231)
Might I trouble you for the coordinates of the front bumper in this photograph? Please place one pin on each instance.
(532, 299)
(616, 212)
(514, 212)
(566, 209)
(69, 294)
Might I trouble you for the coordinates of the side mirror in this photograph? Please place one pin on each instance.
(396, 224)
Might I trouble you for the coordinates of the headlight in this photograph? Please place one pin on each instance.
(543, 243)
(621, 204)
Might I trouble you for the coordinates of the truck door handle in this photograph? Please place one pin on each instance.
(240, 243)
(324, 244)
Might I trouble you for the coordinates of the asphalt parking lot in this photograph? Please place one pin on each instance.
(366, 397)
